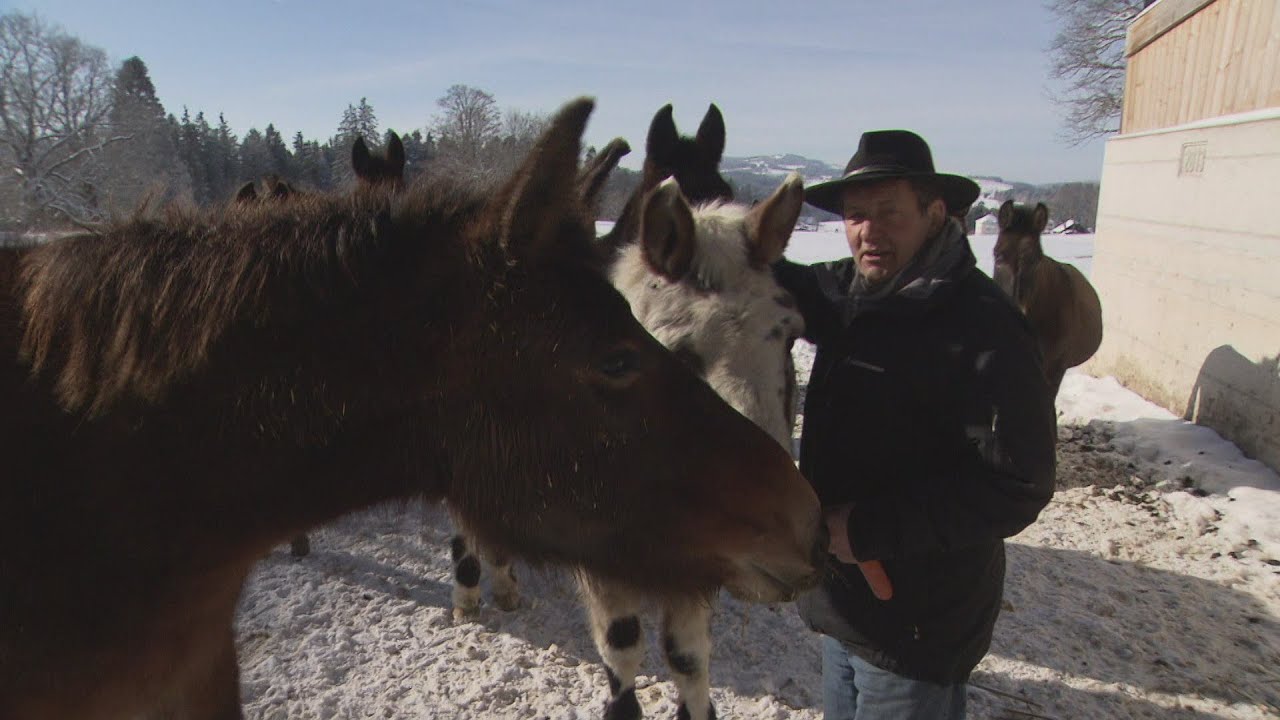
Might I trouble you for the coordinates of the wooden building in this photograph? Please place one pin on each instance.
(1187, 256)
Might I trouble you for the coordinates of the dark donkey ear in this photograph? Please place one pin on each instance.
(667, 232)
(395, 155)
(770, 223)
(1040, 217)
(711, 133)
(360, 160)
(1005, 218)
(246, 193)
(662, 139)
(543, 191)
(594, 175)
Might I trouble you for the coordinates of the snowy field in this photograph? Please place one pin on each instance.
(1149, 588)
(828, 243)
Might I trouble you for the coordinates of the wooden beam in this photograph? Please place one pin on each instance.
(1159, 19)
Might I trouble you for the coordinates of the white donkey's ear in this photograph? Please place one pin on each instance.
(770, 223)
(667, 236)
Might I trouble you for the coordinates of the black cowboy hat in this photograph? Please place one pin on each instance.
(888, 155)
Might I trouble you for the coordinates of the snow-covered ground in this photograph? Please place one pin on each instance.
(1149, 588)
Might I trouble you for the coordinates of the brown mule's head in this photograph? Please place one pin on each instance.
(582, 440)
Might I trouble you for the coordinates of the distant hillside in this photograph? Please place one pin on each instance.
(756, 177)
(779, 166)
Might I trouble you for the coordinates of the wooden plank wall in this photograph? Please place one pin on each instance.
(1222, 58)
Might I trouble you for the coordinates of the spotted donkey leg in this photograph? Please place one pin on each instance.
(686, 642)
(615, 627)
(466, 578)
(468, 566)
(502, 579)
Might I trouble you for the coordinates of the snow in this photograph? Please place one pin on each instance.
(828, 243)
(1148, 588)
(988, 187)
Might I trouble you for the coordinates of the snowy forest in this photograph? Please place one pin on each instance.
(83, 140)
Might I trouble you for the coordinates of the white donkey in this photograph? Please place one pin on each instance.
(699, 281)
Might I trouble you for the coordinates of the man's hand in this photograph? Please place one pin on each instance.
(837, 519)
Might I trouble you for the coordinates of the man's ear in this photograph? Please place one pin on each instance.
(937, 212)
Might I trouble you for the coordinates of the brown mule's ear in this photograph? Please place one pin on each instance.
(1040, 217)
(361, 162)
(543, 191)
(281, 190)
(395, 155)
(594, 175)
(246, 193)
(662, 138)
(711, 133)
(666, 231)
(770, 223)
(1005, 217)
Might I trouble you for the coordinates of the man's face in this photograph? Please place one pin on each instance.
(885, 227)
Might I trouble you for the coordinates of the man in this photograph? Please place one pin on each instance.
(929, 436)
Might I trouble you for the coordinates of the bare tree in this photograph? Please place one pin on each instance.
(469, 121)
(514, 139)
(55, 99)
(1087, 57)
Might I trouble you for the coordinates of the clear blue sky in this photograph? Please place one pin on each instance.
(800, 77)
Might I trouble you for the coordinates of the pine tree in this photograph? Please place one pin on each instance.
(310, 168)
(146, 164)
(280, 162)
(417, 153)
(255, 161)
(192, 156)
(357, 122)
(224, 159)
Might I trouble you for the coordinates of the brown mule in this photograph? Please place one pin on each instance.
(185, 392)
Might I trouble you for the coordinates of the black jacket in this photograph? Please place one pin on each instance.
(927, 410)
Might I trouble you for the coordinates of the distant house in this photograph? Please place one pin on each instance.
(1070, 227)
(988, 224)
(808, 223)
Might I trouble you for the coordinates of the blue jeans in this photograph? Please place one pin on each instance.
(854, 689)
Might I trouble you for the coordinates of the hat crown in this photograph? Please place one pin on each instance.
(898, 149)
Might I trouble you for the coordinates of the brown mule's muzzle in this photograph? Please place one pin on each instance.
(778, 529)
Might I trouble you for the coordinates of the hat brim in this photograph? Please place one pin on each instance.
(958, 192)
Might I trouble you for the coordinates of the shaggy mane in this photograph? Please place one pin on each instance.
(129, 310)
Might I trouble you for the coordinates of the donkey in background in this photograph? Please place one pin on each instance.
(372, 169)
(1061, 305)
(187, 391)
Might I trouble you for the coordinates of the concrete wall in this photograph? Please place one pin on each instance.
(1187, 263)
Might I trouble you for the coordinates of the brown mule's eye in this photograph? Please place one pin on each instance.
(619, 364)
